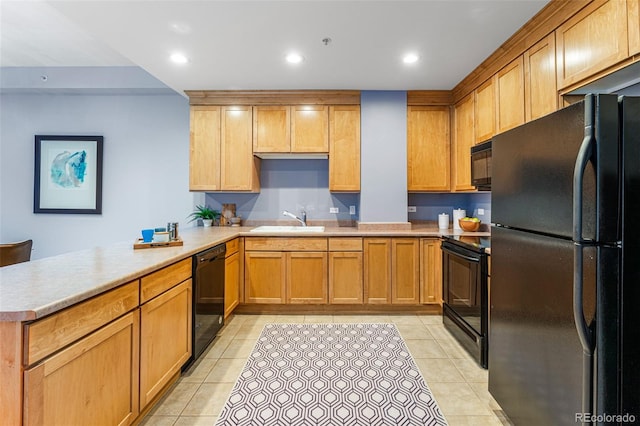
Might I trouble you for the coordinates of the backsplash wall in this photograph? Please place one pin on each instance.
(291, 185)
(429, 206)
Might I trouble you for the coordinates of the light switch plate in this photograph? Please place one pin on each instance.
(480, 211)
(411, 209)
(334, 210)
(352, 209)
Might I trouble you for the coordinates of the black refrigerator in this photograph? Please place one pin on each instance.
(564, 326)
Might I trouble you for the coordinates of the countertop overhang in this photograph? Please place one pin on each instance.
(32, 290)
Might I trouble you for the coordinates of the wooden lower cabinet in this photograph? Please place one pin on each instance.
(345, 277)
(93, 381)
(405, 271)
(430, 271)
(377, 270)
(391, 271)
(231, 283)
(264, 279)
(165, 339)
(306, 277)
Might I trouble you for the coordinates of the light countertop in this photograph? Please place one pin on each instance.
(32, 290)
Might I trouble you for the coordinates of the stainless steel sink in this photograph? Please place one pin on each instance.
(277, 228)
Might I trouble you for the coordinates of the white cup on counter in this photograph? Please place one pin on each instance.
(443, 221)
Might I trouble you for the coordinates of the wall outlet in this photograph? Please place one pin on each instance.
(411, 209)
(480, 212)
(334, 210)
(352, 210)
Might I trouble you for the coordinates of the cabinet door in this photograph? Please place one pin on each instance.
(592, 40)
(204, 155)
(633, 18)
(463, 139)
(430, 271)
(345, 277)
(165, 339)
(309, 128)
(231, 283)
(271, 128)
(485, 111)
(377, 270)
(307, 277)
(540, 91)
(93, 381)
(428, 148)
(238, 168)
(344, 148)
(510, 87)
(405, 267)
(265, 274)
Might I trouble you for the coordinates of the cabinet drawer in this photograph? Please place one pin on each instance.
(160, 281)
(345, 244)
(232, 247)
(56, 331)
(285, 244)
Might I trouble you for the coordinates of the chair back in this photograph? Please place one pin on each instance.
(15, 253)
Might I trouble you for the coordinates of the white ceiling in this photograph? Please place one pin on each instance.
(240, 44)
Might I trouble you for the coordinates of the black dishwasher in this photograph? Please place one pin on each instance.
(208, 297)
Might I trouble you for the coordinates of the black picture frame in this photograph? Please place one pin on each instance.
(68, 174)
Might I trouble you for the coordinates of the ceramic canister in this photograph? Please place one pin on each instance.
(443, 221)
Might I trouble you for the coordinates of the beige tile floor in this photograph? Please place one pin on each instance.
(457, 382)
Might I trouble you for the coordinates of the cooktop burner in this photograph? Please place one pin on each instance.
(478, 244)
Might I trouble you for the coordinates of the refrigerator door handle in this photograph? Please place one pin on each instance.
(584, 333)
(584, 155)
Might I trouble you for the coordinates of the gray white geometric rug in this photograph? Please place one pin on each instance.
(330, 375)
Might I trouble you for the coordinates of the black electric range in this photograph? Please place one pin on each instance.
(465, 311)
(477, 244)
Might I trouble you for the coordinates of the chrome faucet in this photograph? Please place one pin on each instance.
(303, 220)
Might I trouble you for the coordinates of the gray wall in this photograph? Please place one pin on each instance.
(383, 197)
(145, 175)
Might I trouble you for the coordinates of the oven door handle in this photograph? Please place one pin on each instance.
(465, 257)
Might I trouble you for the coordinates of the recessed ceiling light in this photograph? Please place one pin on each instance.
(294, 58)
(179, 58)
(410, 58)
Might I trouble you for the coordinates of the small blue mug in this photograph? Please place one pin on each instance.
(147, 235)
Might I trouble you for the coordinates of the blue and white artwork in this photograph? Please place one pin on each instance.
(68, 174)
(68, 169)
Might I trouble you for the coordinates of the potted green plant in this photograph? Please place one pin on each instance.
(206, 213)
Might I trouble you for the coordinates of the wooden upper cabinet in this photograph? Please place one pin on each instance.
(463, 139)
(310, 128)
(540, 89)
(428, 148)
(592, 40)
(633, 19)
(485, 111)
(271, 128)
(204, 154)
(510, 89)
(239, 170)
(344, 148)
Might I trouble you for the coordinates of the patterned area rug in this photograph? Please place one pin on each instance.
(330, 374)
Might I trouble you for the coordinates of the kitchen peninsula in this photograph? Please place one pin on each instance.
(82, 319)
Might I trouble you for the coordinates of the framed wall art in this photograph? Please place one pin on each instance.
(68, 174)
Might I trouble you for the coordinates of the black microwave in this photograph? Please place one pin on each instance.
(481, 166)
